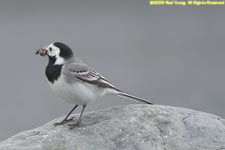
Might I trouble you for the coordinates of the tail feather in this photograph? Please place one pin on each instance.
(123, 94)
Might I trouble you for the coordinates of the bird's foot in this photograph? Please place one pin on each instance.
(64, 121)
(73, 125)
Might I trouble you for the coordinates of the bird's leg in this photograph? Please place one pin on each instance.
(65, 120)
(71, 126)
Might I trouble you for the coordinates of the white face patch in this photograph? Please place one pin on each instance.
(54, 51)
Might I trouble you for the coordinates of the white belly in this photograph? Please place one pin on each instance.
(77, 93)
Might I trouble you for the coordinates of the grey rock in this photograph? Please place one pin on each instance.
(138, 127)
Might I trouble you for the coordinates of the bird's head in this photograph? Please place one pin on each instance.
(57, 52)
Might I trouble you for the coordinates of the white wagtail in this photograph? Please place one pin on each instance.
(75, 81)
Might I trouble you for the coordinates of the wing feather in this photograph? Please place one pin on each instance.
(89, 75)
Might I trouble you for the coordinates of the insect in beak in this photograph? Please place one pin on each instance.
(41, 52)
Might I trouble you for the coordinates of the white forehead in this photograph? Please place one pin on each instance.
(55, 52)
(53, 47)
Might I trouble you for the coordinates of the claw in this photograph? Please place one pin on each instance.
(64, 121)
(73, 125)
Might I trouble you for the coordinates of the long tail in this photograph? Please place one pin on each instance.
(126, 95)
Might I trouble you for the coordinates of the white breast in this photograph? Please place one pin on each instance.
(78, 93)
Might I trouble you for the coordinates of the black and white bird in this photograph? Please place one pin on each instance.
(74, 81)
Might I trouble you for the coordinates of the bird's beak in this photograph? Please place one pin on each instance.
(41, 52)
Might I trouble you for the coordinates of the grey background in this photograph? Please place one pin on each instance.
(171, 55)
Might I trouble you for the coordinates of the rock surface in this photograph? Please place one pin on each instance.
(139, 127)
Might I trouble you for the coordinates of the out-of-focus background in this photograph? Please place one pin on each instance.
(171, 55)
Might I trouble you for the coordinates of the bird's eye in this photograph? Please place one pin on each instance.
(50, 48)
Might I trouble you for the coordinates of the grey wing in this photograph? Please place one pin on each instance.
(83, 73)
(86, 74)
